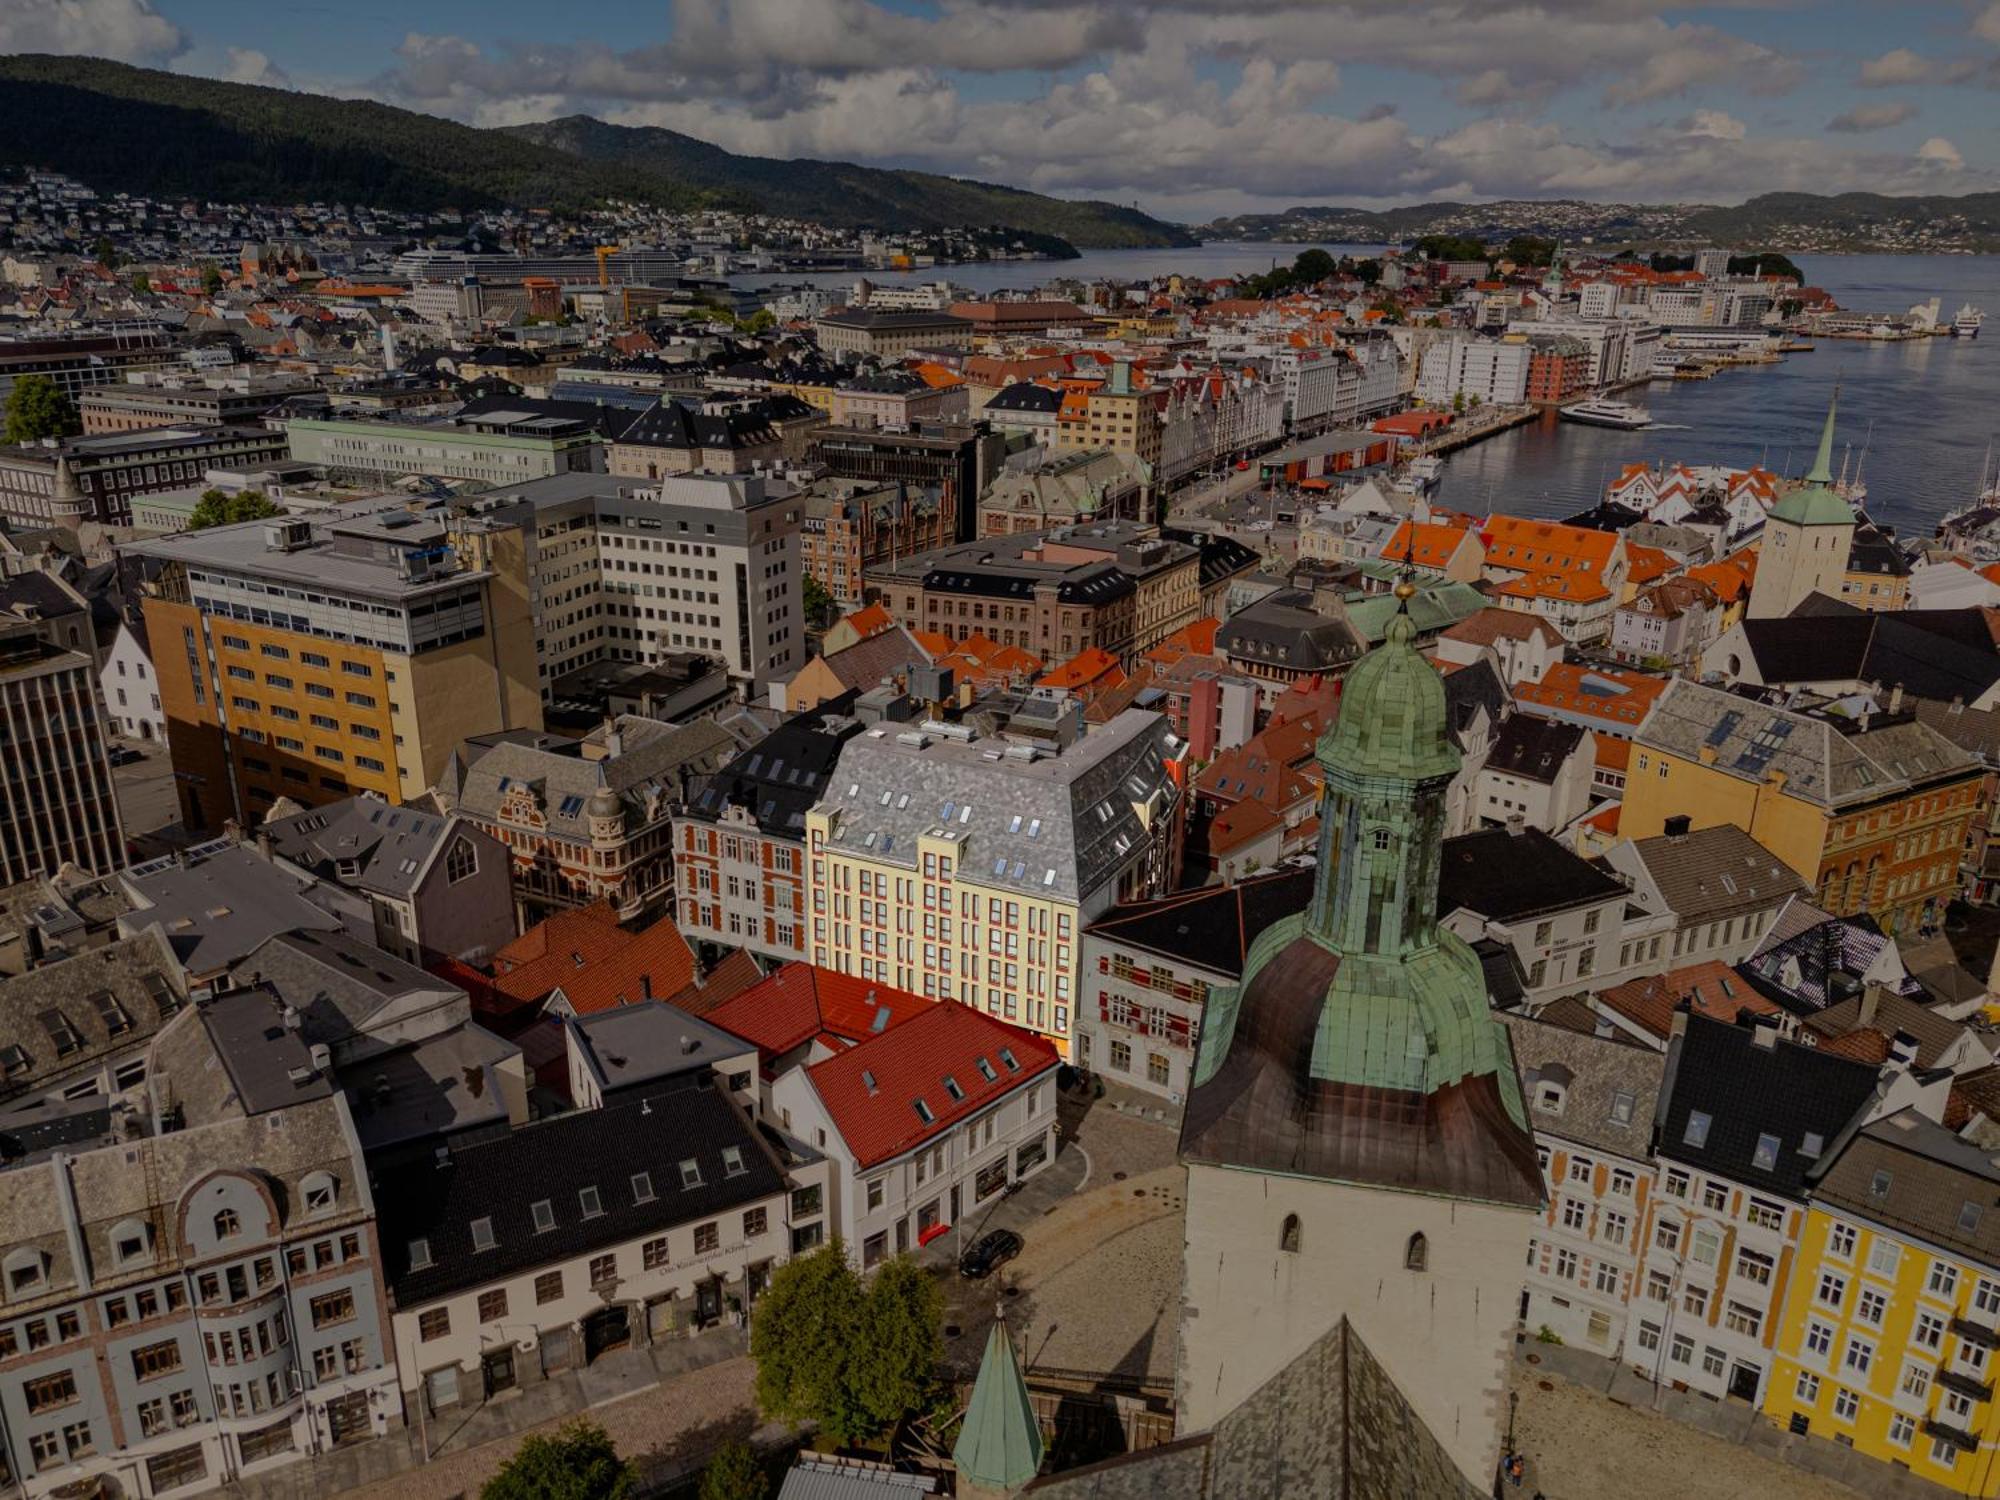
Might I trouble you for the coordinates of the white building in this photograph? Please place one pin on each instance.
(131, 692)
(1492, 371)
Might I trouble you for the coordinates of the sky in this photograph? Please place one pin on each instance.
(1191, 109)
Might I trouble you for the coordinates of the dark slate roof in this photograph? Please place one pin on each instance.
(1607, 515)
(601, 418)
(1535, 749)
(887, 319)
(784, 774)
(1928, 1177)
(1506, 876)
(1332, 1424)
(1470, 689)
(1210, 927)
(1745, 1090)
(1875, 551)
(553, 1161)
(1934, 653)
(1025, 395)
(1822, 964)
(1284, 629)
(1093, 584)
(888, 383)
(675, 424)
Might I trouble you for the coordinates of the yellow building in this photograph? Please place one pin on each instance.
(965, 867)
(1874, 813)
(1119, 416)
(1891, 1318)
(312, 659)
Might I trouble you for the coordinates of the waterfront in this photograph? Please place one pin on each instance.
(1934, 403)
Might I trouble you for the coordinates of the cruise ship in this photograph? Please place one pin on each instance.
(1603, 412)
(1966, 324)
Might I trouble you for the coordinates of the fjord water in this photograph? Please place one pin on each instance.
(1925, 409)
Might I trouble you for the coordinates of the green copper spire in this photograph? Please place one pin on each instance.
(1817, 502)
(999, 1446)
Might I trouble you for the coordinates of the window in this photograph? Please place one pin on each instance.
(1859, 1355)
(49, 1392)
(1714, 1196)
(1902, 1428)
(707, 1239)
(482, 1235)
(153, 1360)
(493, 1305)
(1845, 1404)
(690, 1173)
(544, 1214)
(1417, 1254)
(1928, 1332)
(1870, 1306)
(653, 1254)
(1808, 1388)
(1696, 1133)
(603, 1269)
(589, 1202)
(334, 1307)
(1676, 1185)
(1832, 1289)
(1289, 1235)
(433, 1323)
(755, 1222)
(548, 1288)
(1840, 1241)
(1883, 1258)
(462, 863)
(228, 1224)
(1943, 1280)
(1819, 1338)
(420, 1255)
(1766, 1156)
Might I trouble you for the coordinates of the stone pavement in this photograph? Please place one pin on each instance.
(1588, 1426)
(668, 1406)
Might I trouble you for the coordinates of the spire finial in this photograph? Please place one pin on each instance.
(1822, 469)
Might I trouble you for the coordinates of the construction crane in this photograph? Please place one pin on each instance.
(604, 254)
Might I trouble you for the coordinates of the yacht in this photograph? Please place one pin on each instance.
(1966, 324)
(1604, 412)
(1422, 475)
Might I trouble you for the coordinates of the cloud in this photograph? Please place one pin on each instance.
(1986, 25)
(1865, 117)
(1715, 124)
(247, 65)
(1901, 67)
(1939, 154)
(127, 30)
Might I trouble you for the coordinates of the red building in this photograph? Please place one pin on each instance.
(1558, 369)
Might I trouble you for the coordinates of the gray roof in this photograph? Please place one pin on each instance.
(338, 983)
(77, 1012)
(813, 1477)
(362, 842)
(1710, 873)
(268, 1063)
(1055, 825)
(445, 1084)
(1928, 1178)
(651, 773)
(1751, 740)
(1285, 629)
(1610, 1088)
(222, 903)
(630, 1044)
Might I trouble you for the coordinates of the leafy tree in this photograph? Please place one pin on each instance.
(1791, 307)
(142, 283)
(104, 252)
(760, 321)
(902, 1341)
(1367, 271)
(1313, 265)
(1458, 401)
(803, 1337)
(578, 1462)
(734, 1474)
(1766, 263)
(1452, 246)
(37, 409)
(1529, 250)
(216, 508)
(211, 277)
(818, 602)
(1390, 309)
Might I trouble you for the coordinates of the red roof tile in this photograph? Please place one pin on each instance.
(872, 1090)
(800, 1002)
(653, 965)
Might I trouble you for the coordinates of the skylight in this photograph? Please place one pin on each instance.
(482, 1234)
(951, 1087)
(1696, 1133)
(642, 1187)
(732, 1161)
(590, 1203)
(420, 1255)
(1766, 1158)
(544, 1215)
(690, 1173)
(923, 1111)
(1009, 1061)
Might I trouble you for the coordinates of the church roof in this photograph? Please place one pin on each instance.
(1816, 502)
(1000, 1442)
(1393, 720)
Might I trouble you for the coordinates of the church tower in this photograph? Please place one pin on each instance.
(1807, 538)
(1355, 1139)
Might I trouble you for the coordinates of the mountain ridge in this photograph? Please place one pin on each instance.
(147, 131)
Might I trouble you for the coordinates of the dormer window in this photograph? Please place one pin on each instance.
(320, 1192)
(27, 1271)
(690, 1173)
(732, 1161)
(228, 1224)
(1696, 1133)
(923, 1111)
(132, 1242)
(1549, 1097)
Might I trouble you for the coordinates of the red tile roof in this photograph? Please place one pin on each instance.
(736, 973)
(551, 951)
(872, 1090)
(1715, 990)
(801, 1002)
(652, 965)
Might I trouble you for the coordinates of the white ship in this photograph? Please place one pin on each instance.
(1603, 412)
(1422, 475)
(1966, 324)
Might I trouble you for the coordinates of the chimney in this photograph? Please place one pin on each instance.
(1896, 699)
(1902, 1050)
(1677, 826)
(264, 842)
(1871, 1002)
(1762, 1033)
(645, 986)
(1517, 824)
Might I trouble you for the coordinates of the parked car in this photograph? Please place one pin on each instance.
(124, 755)
(989, 1253)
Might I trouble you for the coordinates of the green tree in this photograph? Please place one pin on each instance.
(1529, 250)
(1452, 246)
(578, 1462)
(211, 277)
(763, 320)
(142, 283)
(216, 508)
(37, 409)
(1313, 265)
(1367, 271)
(902, 1342)
(1766, 263)
(1458, 401)
(734, 1474)
(804, 1336)
(105, 253)
(818, 602)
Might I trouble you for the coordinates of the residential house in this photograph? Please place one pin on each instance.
(1538, 771)
(1722, 889)
(1558, 913)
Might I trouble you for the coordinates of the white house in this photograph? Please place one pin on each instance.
(131, 691)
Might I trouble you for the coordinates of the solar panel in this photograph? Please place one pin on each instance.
(1724, 727)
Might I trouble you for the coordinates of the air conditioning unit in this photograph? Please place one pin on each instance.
(288, 534)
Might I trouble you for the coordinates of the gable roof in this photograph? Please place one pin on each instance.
(1941, 653)
(1711, 872)
(1506, 875)
(1533, 748)
(386, 849)
(1747, 1083)
(873, 1090)
(803, 1002)
(655, 964)
(1210, 927)
(556, 947)
(1708, 988)
(1918, 1178)
(1610, 1089)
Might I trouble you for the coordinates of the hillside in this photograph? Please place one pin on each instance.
(842, 193)
(144, 131)
(140, 130)
(1779, 221)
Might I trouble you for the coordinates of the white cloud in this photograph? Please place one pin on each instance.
(1866, 117)
(1895, 68)
(1715, 124)
(1939, 154)
(1986, 25)
(248, 65)
(127, 30)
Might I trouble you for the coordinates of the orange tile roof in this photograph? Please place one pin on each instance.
(1546, 546)
(1581, 588)
(1713, 989)
(869, 620)
(549, 952)
(1613, 754)
(1197, 639)
(1730, 576)
(1091, 667)
(1426, 545)
(1648, 564)
(655, 965)
(800, 1003)
(736, 973)
(1620, 700)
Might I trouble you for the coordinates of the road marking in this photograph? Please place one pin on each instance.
(1077, 1146)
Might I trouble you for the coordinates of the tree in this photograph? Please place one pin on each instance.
(1313, 265)
(217, 508)
(211, 277)
(734, 1474)
(105, 253)
(37, 409)
(902, 1342)
(1458, 401)
(578, 1462)
(142, 283)
(1452, 246)
(803, 1337)
(760, 321)
(1529, 250)
(818, 602)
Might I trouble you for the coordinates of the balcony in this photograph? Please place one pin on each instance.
(1975, 1333)
(1957, 1437)
(1964, 1384)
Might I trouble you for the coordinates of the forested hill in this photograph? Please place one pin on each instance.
(140, 130)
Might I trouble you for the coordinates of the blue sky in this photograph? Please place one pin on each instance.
(1187, 107)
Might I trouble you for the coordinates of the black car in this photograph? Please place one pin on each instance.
(988, 1254)
(124, 755)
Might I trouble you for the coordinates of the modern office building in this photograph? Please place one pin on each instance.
(495, 447)
(57, 806)
(315, 658)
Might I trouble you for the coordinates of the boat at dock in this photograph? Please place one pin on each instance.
(1966, 324)
(1600, 412)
